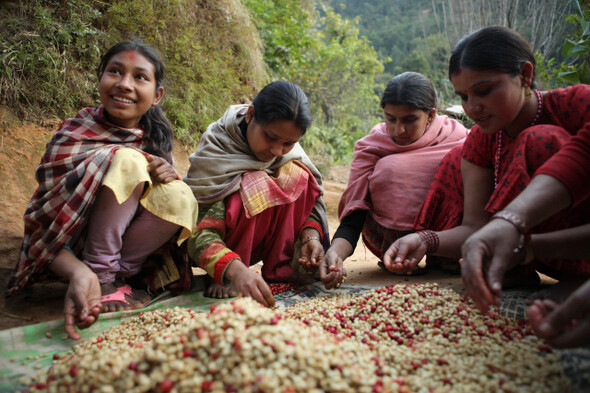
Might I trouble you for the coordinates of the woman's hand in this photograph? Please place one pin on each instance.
(332, 272)
(249, 283)
(160, 170)
(487, 255)
(82, 301)
(312, 250)
(566, 324)
(405, 253)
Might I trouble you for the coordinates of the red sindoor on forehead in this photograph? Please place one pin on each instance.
(131, 55)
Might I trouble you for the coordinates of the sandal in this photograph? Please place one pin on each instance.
(124, 298)
(118, 296)
(418, 271)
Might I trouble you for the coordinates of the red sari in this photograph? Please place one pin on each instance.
(567, 113)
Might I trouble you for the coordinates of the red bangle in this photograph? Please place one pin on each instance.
(431, 240)
(514, 219)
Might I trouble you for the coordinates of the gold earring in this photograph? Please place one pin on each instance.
(527, 91)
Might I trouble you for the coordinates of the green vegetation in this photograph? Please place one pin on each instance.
(311, 45)
(576, 49)
(48, 50)
(220, 52)
(51, 49)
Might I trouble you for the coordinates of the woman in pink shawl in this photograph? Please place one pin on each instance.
(391, 171)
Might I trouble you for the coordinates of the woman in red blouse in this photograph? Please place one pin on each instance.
(517, 129)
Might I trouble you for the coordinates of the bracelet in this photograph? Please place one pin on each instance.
(525, 246)
(307, 239)
(431, 240)
(513, 219)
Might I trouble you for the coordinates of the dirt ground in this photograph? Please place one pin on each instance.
(21, 147)
(43, 302)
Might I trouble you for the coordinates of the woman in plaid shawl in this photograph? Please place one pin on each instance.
(260, 197)
(108, 194)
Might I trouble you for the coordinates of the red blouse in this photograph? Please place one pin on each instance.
(568, 108)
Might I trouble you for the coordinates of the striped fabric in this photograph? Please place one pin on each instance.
(259, 191)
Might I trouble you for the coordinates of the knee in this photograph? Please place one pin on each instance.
(182, 197)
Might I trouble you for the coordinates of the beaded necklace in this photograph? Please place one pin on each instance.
(499, 149)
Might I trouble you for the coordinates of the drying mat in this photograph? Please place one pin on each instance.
(27, 350)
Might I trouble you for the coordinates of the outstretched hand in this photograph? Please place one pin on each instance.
(82, 302)
(312, 253)
(249, 283)
(160, 170)
(566, 324)
(404, 254)
(487, 255)
(332, 272)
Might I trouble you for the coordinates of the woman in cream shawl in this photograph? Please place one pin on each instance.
(392, 170)
(260, 196)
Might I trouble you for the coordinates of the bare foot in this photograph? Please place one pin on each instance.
(217, 291)
(118, 296)
(558, 292)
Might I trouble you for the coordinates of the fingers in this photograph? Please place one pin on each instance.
(70, 314)
(561, 320)
(317, 252)
(70, 328)
(269, 300)
(261, 292)
(332, 272)
(501, 256)
(390, 254)
(476, 285)
(578, 335)
(537, 313)
(472, 272)
(160, 169)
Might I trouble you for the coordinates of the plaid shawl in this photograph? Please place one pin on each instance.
(69, 176)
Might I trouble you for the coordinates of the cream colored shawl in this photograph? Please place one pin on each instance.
(223, 156)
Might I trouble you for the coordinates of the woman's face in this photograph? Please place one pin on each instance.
(492, 99)
(268, 141)
(128, 88)
(406, 123)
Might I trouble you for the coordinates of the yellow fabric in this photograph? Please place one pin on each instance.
(260, 191)
(173, 202)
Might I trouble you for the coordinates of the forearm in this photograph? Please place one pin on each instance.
(351, 227)
(66, 265)
(341, 247)
(235, 270)
(542, 198)
(571, 243)
(451, 240)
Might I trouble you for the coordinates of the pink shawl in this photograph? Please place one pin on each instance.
(391, 180)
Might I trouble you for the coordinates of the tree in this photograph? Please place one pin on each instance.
(576, 49)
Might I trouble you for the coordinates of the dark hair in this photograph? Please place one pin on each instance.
(410, 88)
(492, 48)
(282, 100)
(157, 130)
